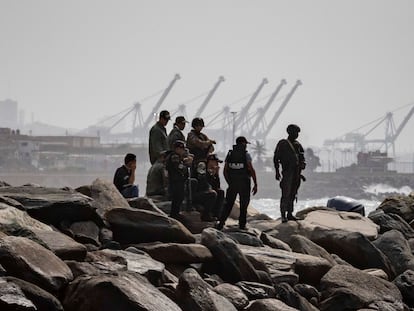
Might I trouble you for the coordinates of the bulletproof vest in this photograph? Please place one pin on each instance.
(237, 163)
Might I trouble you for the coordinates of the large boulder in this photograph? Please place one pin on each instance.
(234, 294)
(132, 226)
(124, 291)
(194, 294)
(39, 297)
(254, 290)
(393, 244)
(274, 243)
(53, 205)
(31, 262)
(86, 232)
(391, 221)
(402, 205)
(309, 268)
(177, 253)
(301, 244)
(233, 264)
(289, 296)
(269, 304)
(13, 298)
(348, 288)
(405, 283)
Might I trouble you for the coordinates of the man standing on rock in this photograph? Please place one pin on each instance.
(290, 154)
(158, 137)
(238, 170)
(177, 131)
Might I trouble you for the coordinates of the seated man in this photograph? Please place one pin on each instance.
(204, 194)
(213, 179)
(125, 176)
(157, 178)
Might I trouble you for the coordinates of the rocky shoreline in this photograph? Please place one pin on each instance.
(90, 249)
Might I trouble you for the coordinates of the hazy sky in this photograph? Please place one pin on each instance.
(74, 62)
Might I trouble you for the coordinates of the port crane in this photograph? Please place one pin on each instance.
(360, 142)
(200, 110)
(262, 112)
(276, 116)
(241, 118)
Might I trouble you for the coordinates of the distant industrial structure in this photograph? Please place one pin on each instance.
(9, 113)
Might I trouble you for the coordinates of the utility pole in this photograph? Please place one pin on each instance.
(234, 126)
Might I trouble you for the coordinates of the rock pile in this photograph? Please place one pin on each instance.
(90, 249)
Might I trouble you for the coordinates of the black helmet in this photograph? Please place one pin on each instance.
(197, 122)
(293, 129)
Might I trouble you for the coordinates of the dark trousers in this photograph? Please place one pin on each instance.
(176, 190)
(218, 205)
(206, 199)
(240, 186)
(289, 185)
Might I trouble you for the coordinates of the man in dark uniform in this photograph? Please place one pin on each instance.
(238, 170)
(290, 154)
(198, 143)
(213, 178)
(124, 177)
(157, 177)
(177, 131)
(158, 140)
(177, 176)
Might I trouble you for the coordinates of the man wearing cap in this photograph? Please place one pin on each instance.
(177, 131)
(198, 143)
(158, 140)
(177, 176)
(238, 170)
(289, 154)
(124, 177)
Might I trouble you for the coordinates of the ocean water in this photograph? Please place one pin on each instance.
(271, 206)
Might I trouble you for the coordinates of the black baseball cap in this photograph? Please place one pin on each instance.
(180, 119)
(165, 115)
(214, 157)
(242, 139)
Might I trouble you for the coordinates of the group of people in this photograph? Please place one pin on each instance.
(187, 168)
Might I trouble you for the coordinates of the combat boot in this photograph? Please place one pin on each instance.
(291, 217)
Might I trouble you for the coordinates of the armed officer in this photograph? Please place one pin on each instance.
(238, 170)
(290, 154)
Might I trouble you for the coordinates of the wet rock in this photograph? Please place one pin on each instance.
(31, 262)
(132, 226)
(195, 294)
(233, 264)
(393, 244)
(123, 291)
(345, 288)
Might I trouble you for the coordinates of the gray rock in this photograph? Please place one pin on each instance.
(177, 253)
(52, 205)
(255, 290)
(13, 298)
(79, 268)
(245, 238)
(234, 294)
(269, 304)
(31, 262)
(124, 291)
(86, 232)
(391, 221)
(274, 243)
(393, 244)
(301, 244)
(233, 264)
(132, 226)
(307, 291)
(345, 288)
(43, 300)
(289, 296)
(61, 245)
(196, 295)
(401, 205)
(405, 283)
(145, 204)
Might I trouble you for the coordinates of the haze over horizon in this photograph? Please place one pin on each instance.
(73, 63)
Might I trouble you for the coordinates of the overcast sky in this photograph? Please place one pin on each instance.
(74, 62)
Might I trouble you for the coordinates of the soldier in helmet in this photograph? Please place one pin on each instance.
(289, 154)
(198, 143)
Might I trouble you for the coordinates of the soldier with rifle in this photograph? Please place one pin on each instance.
(289, 154)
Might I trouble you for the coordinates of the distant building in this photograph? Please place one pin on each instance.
(8, 114)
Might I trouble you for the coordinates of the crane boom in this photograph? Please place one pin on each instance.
(281, 108)
(267, 106)
(207, 99)
(403, 123)
(160, 101)
(245, 109)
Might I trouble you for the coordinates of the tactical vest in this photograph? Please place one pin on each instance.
(237, 163)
